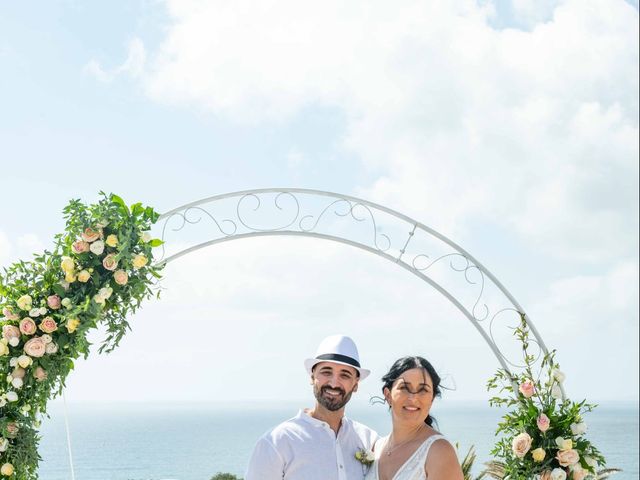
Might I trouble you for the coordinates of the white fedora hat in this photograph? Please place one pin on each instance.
(338, 349)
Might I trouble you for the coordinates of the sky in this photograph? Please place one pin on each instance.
(509, 127)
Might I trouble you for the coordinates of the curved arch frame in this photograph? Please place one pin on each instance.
(240, 227)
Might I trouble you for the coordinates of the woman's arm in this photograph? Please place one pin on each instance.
(442, 462)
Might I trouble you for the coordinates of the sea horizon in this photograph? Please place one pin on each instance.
(193, 440)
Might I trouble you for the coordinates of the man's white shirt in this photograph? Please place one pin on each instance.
(304, 448)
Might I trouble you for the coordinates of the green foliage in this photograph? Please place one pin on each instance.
(539, 419)
(98, 273)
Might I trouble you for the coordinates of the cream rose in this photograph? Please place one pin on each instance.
(24, 302)
(17, 383)
(139, 261)
(558, 474)
(40, 374)
(46, 338)
(97, 247)
(90, 235)
(4, 444)
(48, 325)
(558, 375)
(521, 444)
(564, 443)
(538, 454)
(7, 470)
(72, 324)
(110, 262)
(51, 348)
(567, 457)
(112, 240)
(80, 246)
(18, 372)
(543, 422)
(27, 326)
(145, 237)
(66, 302)
(556, 392)
(70, 277)
(34, 312)
(4, 349)
(24, 361)
(121, 277)
(35, 347)
(67, 265)
(83, 276)
(11, 397)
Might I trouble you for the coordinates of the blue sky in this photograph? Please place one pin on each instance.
(511, 127)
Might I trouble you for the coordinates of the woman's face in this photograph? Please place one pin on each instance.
(411, 395)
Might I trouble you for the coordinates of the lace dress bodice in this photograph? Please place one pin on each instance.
(413, 468)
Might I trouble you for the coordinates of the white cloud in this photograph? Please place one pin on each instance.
(133, 65)
(536, 130)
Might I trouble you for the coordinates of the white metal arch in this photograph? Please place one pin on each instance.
(374, 228)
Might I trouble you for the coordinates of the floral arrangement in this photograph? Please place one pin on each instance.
(99, 272)
(543, 436)
(365, 457)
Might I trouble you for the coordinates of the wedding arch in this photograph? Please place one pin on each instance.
(103, 266)
(421, 250)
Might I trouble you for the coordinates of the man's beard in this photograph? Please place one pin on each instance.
(332, 404)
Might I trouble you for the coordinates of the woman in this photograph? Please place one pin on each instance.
(414, 450)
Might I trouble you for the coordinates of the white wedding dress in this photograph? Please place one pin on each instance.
(413, 468)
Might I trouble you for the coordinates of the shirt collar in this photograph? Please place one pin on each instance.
(305, 417)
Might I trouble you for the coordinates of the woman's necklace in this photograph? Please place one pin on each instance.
(412, 438)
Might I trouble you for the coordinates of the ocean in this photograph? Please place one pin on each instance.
(195, 441)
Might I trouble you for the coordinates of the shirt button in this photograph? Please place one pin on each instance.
(340, 466)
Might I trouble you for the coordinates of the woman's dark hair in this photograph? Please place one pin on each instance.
(407, 363)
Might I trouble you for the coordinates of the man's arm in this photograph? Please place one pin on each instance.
(266, 463)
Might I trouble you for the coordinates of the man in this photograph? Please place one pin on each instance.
(319, 443)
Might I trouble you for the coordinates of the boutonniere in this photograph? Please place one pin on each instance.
(365, 457)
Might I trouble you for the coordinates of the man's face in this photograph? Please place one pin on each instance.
(333, 384)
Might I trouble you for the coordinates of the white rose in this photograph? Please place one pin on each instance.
(12, 396)
(4, 444)
(590, 461)
(556, 392)
(14, 341)
(34, 312)
(558, 375)
(66, 302)
(3, 401)
(558, 474)
(46, 338)
(578, 428)
(17, 383)
(51, 348)
(97, 247)
(13, 362)
(146, 237)
(43, 310)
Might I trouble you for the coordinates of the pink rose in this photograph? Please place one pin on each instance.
(10, 331)
(546, 475)
(543, 423)
(40, 374)
(527, 389)
(521, 444)
(27, 326)
(578, 473)
(121, 277)
(9, 314)
(54, 302)
(90, 235)
(567, 457)
(80, 246)
(110, 262)
(35, 347)
(48, 325)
